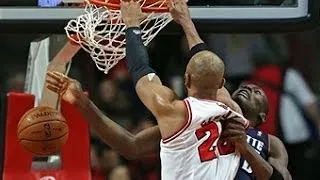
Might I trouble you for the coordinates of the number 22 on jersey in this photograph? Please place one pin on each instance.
(207, 150)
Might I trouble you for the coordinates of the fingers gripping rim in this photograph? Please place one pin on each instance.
(101, 32)
(159, 6)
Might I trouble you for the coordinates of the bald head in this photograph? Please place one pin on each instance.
(205, 71)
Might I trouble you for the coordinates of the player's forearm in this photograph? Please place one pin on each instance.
(281, 168)
(58, 64)
(137, 55)
(260, 167)
(191, 33)
(118, 138)
(147, 141)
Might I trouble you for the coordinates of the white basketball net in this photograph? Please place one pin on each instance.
(101, 33)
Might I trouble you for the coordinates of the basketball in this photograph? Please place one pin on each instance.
(42, 131)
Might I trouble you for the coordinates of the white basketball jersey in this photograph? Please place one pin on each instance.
(195, 152)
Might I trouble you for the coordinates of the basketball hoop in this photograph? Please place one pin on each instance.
(101, 32)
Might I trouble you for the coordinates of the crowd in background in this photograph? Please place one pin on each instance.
(290, 59)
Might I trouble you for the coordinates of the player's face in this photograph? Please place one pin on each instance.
(251, 98)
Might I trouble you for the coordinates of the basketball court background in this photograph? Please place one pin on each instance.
(22, 22)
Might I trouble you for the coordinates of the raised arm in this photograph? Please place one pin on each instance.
(156, 97)
(181, 15)
(58, 64)
(121, 140)
(160, 100)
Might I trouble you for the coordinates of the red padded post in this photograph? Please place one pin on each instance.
(75, 155)
(76, 152)
(16, 159)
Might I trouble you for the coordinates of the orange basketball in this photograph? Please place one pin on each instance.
(42, 131)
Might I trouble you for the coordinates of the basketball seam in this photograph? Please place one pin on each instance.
(39, 123)
(25, 114)
(44, 140)
(30, 111)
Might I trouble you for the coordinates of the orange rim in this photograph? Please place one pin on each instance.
(117, 6)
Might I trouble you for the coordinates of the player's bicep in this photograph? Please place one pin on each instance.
(156, 97)
(278, 156)
(224, 96)
(278, 151)
(147, 141)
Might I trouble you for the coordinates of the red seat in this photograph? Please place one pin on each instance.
(74, 156)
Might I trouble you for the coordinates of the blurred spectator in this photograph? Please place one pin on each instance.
(15, 83)
(298, 105)
(148, 167)
(294, 114)
(113, 101)
(109, 159)
(120, 173)
(96, 170)
(237, 52)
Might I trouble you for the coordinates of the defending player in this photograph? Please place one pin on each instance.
(270, 159)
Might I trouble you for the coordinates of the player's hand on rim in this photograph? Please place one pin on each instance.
(131, 13)
(180, 12)
(68, 89)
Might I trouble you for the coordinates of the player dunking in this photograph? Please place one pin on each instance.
(190, 129)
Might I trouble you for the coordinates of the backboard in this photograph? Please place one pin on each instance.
(50, 16)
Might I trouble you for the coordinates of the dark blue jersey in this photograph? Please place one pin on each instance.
(260, 142)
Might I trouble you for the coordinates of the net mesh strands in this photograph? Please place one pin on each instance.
(101, 32)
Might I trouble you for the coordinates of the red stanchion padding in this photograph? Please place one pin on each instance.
(75, 154)
(17, 161)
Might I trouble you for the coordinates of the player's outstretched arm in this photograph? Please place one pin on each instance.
(58, 64)
(180, 14)
(121, 140)
(279, 157)
(156, 97)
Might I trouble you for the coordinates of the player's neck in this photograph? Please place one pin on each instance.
(205, 94)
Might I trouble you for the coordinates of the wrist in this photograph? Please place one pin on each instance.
(187, 25)
(81, 100)
(132, 25)
(242, 147)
